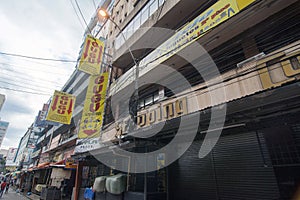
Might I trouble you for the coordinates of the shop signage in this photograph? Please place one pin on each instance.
(93, 111)
(55, 142)
(70, 164)
(88, 144)
(92, 55)
(162, 112)
(61, 107)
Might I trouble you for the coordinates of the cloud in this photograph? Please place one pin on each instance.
(40, 29)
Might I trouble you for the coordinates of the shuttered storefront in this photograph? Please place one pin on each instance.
(239, 167)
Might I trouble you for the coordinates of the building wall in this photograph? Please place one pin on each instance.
(2, 99)
(3, 129)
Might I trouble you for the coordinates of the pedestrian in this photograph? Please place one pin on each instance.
(2, 188)
(7, 187)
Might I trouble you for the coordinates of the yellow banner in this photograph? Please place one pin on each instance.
(61, 107)
(93, 111)
(212, 17)
(91, 56)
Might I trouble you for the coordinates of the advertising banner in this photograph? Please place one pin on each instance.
(92, 55)
(61, 107)
(92, 115)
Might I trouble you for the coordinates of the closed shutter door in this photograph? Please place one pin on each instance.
(191, 177)
(243, 168)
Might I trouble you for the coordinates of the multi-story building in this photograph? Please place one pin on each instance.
(2, 99)
(9, 163)
(254, 45)
(25, 148)
(3, 130)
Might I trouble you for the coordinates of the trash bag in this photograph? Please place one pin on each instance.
(99, 184)
(116, 184)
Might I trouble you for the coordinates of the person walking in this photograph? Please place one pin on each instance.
(2, 188)
(7, 187)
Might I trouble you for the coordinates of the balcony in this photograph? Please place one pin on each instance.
(261, 73)
(248, 18)
(160, 15)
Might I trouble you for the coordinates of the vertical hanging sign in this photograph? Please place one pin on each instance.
(93, 110)
(61, 108)
(92, 55)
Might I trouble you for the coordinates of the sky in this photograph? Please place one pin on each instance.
(37, 28)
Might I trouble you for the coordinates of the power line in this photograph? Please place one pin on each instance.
(83, 17)
(23, 91)
(27, 82)
(22, 67)
(76, 14)
(23, 86)
(36, 80)
(37, 58)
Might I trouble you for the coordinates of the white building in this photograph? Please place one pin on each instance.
(3, 129)
(2, 99)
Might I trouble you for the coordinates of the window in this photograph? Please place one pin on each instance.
(144, 15)
(153, 7)
(138, 20)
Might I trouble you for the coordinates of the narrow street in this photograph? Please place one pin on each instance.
(12, 195)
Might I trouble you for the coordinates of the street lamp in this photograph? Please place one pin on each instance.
(103, 13)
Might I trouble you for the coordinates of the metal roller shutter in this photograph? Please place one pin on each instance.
(243, 168)
(191, 177)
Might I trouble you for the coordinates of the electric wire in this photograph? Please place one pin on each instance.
(24, 91)
(37, 58)
(29, 86)
(77, 14)
(87, 26)
(33, 79)
(225, 56)
(2, 66)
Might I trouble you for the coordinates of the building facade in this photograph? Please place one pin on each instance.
(221, 77)
(257, 55)
(2, 99)
(3, 130)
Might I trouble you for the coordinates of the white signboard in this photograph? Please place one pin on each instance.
(85, 145)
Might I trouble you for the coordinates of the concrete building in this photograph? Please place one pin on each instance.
(252, 148)
(10, 165)
(3, 130)
(255, 47)
(2, 99)
(25, 149)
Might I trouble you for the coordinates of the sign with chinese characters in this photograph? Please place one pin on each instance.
(61, 107)
(88, 144)
(92, 115)
(92, 55)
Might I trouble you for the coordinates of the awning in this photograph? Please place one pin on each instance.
(43, 165)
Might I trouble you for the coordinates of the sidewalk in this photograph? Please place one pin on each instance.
(33, 197)
(12, 195)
